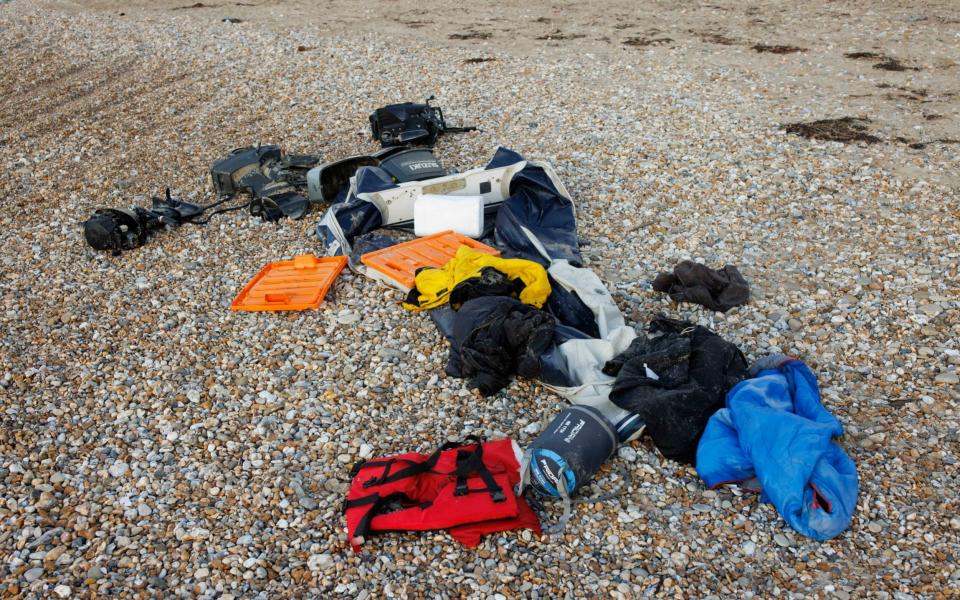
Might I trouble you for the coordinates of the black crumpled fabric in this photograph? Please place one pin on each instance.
(696, 368)
(718, 290)
(490, 282)
(570, 310)
(553, 365)
(496, 337)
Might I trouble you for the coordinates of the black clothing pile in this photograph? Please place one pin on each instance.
(491, 282)
(718, 290)
(494, 338)
(675, 382)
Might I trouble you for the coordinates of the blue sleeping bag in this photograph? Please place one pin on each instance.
(774, 429)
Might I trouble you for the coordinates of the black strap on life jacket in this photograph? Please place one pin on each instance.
(470, 462)
(414, 468)
(377, 503)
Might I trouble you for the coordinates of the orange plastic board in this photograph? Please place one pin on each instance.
(295, 284)
(400, 263)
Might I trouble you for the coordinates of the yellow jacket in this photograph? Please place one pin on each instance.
(434, 285)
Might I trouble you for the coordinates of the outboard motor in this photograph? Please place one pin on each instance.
(410, 123)
(118, 229)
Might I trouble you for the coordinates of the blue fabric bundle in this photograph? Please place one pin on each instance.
(775, 429)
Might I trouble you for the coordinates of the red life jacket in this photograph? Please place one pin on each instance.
(468, 489)
(469, 535)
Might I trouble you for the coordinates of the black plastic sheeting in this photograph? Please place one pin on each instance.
(536, 205)
(503, 157)
(570, 310)
(354, 218)
(553, 365)
(370, 242)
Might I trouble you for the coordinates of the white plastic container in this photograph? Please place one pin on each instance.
(434, 213)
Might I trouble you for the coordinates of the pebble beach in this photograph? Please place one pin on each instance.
(153, 443)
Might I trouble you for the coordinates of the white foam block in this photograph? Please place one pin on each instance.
(435, 213)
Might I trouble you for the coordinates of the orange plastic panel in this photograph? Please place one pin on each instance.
(400, 262)
(295, 284)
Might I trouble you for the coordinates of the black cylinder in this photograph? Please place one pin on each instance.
(573, 446)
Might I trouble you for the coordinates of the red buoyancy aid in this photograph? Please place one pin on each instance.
(469, 534)
(456, 486)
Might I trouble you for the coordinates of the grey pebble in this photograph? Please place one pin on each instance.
(118, 469)
(348, 318)
(625, 452)
(948, 378)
